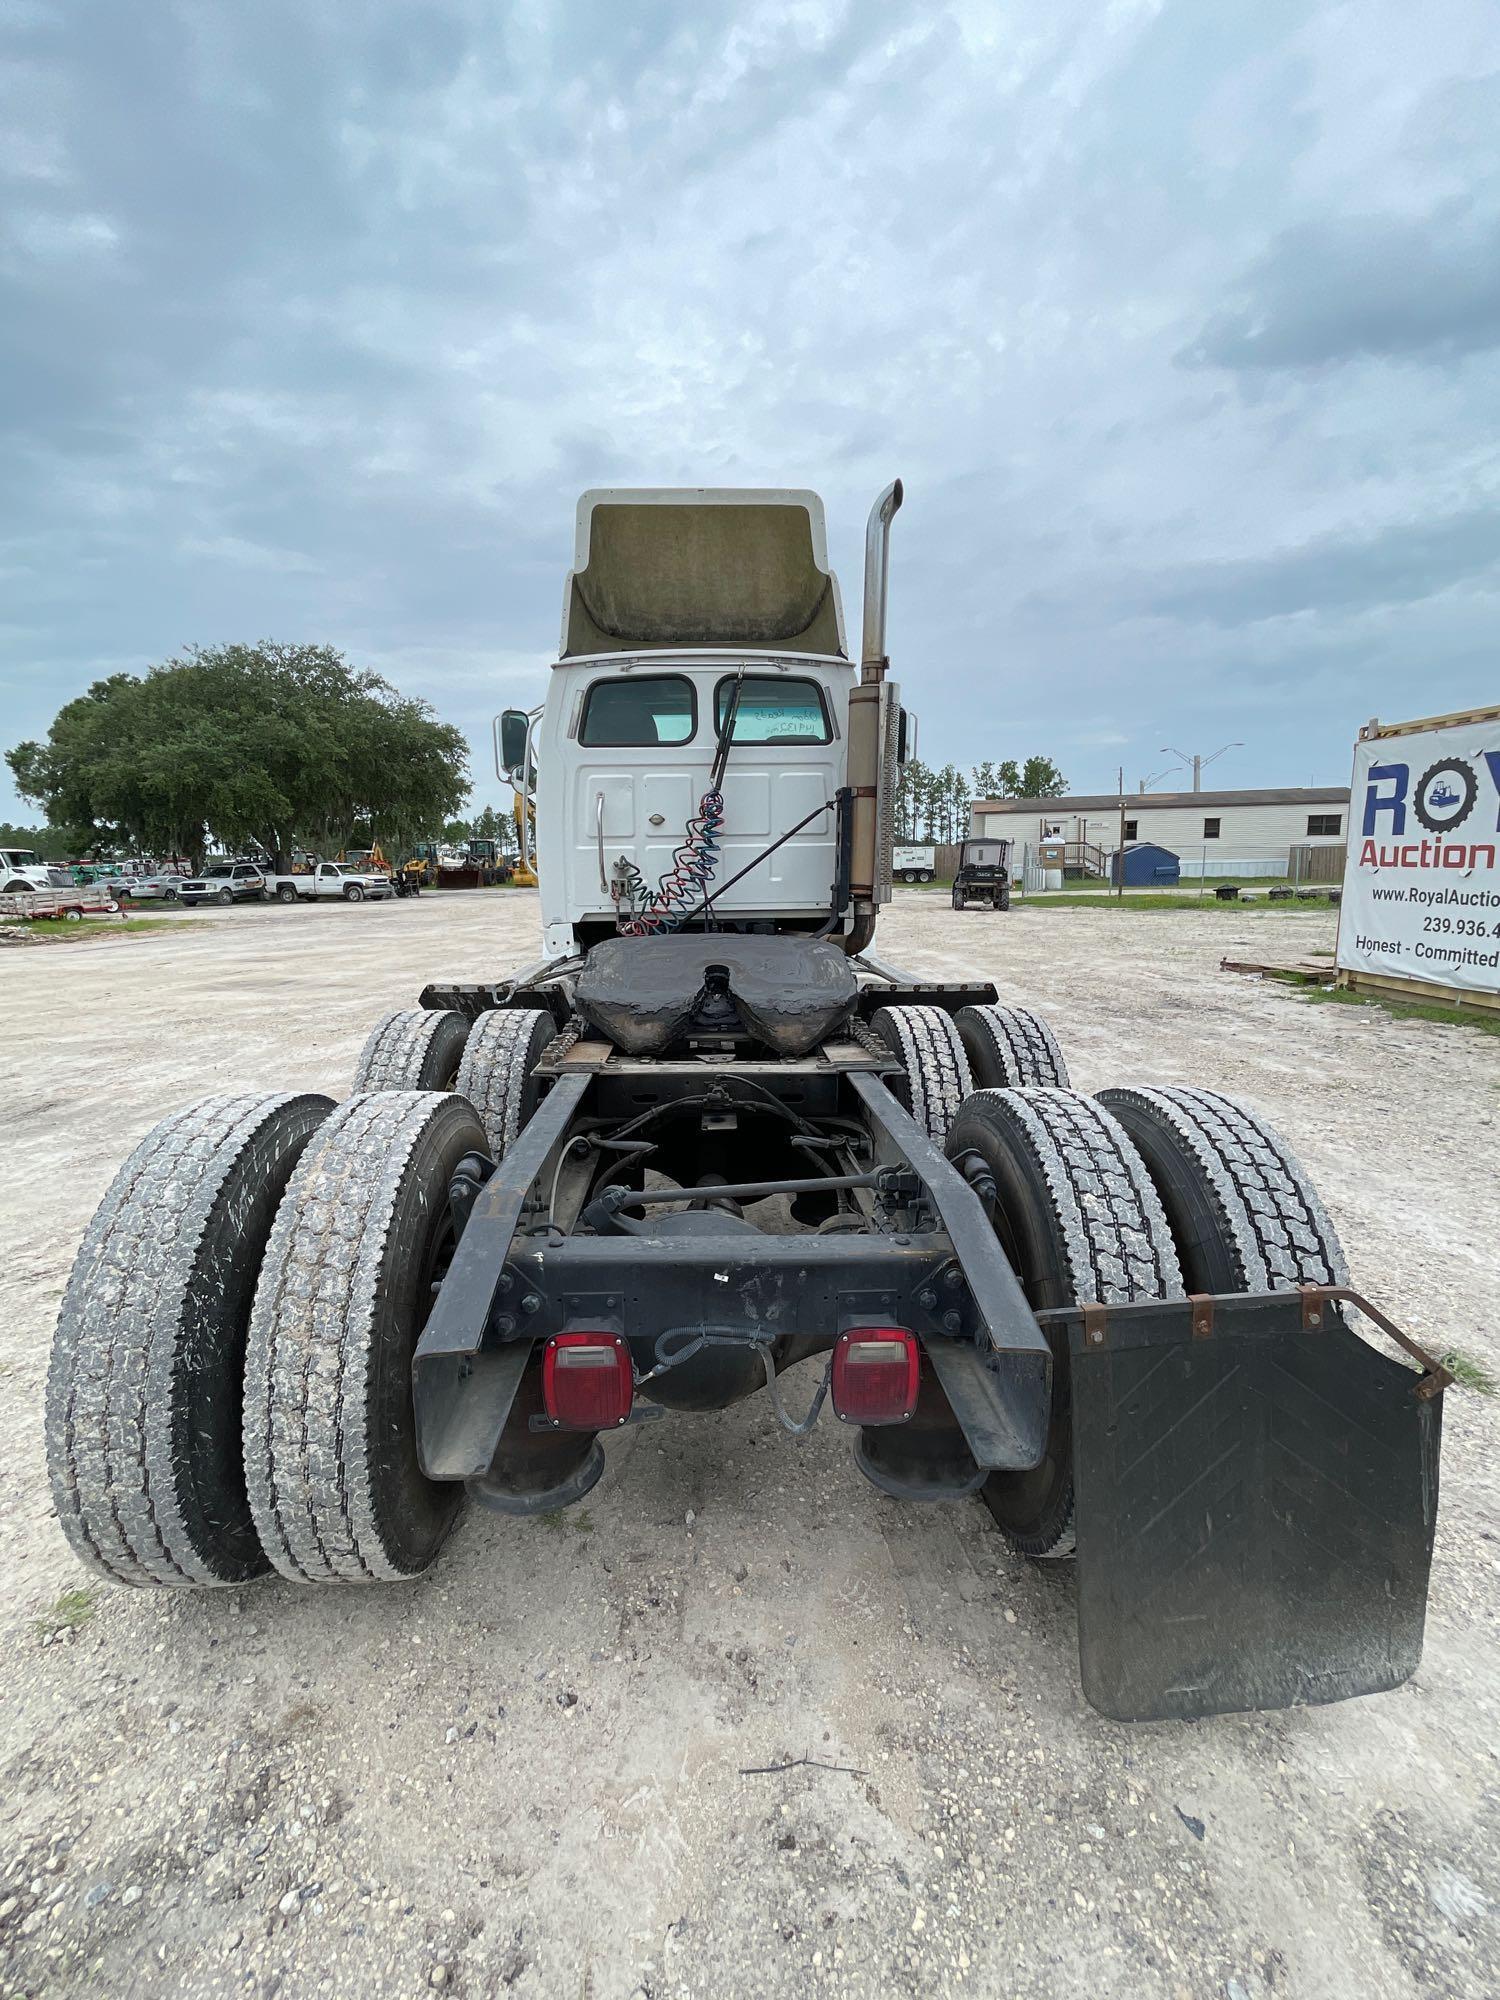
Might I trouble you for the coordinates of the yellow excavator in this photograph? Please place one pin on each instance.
(523, 875)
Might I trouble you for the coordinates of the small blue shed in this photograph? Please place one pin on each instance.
(1146, 865)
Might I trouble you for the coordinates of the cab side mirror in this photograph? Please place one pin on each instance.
(511, 731)
(906, 738)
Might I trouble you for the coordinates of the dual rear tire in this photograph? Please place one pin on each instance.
(946, 1056)
(144, 1392)
(230, 1386)
(492, 1064)
(1135, 1194)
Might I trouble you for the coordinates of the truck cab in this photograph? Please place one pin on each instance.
(21, 868)
(691, 761)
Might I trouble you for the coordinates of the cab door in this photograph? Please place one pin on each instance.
(634, 779)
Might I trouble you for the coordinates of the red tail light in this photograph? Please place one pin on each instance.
(875, 1374)
(587, 1381)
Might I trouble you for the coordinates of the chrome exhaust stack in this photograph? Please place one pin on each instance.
(874, 712)
(873, 660)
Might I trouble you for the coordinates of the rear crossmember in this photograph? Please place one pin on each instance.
(948, 1282)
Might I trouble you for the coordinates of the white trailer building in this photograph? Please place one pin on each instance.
(1244, 833)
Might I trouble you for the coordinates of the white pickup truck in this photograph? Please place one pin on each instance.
(329, 879)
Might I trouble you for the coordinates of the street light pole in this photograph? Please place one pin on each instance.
(1197, 762)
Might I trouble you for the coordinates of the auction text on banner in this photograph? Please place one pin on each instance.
(1421, 888)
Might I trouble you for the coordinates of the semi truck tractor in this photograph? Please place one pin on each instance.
(709, 1145)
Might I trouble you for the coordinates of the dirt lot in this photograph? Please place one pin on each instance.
(527, 1773)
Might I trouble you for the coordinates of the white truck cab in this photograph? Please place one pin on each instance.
(685, 607)
(21, 868)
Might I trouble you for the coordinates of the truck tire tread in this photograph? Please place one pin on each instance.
(496, 1072)
(323, 1470)
(1109, 1233)
(1010, 1048)
(152, 1328)
(1273, 1224)
(937, 1077)
(412, 1048)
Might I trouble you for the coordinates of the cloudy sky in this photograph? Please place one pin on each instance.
(1180, 321)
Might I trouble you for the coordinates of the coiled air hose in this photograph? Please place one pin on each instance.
(694, 864)
(686, 884)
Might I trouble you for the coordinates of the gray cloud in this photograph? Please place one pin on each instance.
(1365, 285)
(1402, 565)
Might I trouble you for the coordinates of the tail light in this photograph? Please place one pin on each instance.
(875, 1375)
(587, 1381)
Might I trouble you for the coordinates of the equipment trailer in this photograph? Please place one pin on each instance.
(708, 1137)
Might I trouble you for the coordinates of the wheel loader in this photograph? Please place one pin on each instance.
(709, 1146)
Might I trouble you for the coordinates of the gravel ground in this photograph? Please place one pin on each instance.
(527, 1774)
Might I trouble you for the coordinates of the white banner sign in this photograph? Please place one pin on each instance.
(1421, 888)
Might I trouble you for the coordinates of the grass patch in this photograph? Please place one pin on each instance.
(74, 1608)
(58, 930)
(1153, 901)
(1484, 1019)
(1469, 1373)
(561, 1519)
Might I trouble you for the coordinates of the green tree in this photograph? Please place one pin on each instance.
(274, 745)
(951, 803)
(912, 788)
(1041, 779)
(52, 843)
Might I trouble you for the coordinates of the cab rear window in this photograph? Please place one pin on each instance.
(637, 712)
(773, 709)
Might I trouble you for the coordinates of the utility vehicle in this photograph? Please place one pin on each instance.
(708, 1146)
(983, 875)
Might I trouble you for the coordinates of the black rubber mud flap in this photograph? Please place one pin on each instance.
(1255, 1512)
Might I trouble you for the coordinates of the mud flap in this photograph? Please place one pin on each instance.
(1256, 1503)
